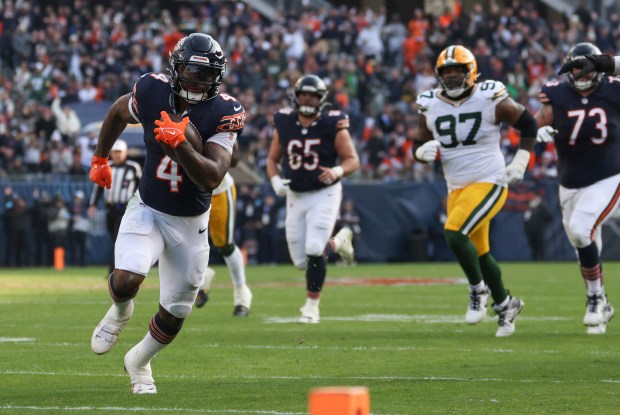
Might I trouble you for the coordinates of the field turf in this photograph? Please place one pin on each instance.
(396, 328)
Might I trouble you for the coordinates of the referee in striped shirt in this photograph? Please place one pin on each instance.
(126, 178)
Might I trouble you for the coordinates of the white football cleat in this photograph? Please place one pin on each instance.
(141, 375)
(594, 310)
(242, 298)
(507, 316)
(309, 314)
(107, 331)
(343, 242)
(608, 313)
(477, 309)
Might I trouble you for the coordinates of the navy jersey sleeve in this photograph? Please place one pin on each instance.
(141, 94)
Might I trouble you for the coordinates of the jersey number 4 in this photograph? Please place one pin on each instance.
(446, 127)
(168, 170)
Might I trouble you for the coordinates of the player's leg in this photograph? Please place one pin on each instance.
(320, 222)
(138, 246)
(182, 267)
(459, 209)
(221, 230)
(505, 306)
(583, 213)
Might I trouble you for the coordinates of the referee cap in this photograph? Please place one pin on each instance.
(120, 145)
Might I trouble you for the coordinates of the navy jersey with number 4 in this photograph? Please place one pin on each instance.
(164, 185)
(304, 149)
(588, 139)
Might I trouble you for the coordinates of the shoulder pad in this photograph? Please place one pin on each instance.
(546, 91)
(493, 90)
(424, 99)
(340, 119)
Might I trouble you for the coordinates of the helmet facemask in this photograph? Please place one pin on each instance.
(314, 85)
(197, 65)
(591, 80)
(456, 56)
(196, 83)
(453, 87)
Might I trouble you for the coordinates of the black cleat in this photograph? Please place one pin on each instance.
(202, 298)
(241, 311)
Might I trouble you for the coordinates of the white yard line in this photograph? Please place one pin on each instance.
(140, 409)
(316, 377)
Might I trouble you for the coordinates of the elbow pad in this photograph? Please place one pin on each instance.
(527, 125)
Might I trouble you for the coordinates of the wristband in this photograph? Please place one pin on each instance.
(338, 171)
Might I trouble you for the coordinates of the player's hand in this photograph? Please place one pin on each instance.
(100, 172)
(545, 134)
(427, 152)
(330, 174)
(280, 185)
(170, 132)
(516, 169)
(588, 64)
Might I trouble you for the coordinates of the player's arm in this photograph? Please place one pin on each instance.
(349, 160)
(206, 170)
(235, 155)
(424, 147)
(515, 114)
(544, 119)
(592, 63)
(280, 185)
(114, 124)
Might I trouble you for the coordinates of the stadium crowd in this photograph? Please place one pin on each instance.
(64, 52)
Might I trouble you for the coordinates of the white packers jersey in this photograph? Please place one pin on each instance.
(468, 132)
(227, 181)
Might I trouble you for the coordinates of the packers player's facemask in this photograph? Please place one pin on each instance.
(456, 70)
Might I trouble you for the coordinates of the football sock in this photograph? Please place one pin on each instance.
(161, 331)
(315, 273)
(591, 269)
(478, 287)
(467, 255)
(492, 275)
(330, 248)
(235, 265)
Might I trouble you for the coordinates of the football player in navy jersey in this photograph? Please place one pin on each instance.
(311, 150)
(582, 117)
(167, 218)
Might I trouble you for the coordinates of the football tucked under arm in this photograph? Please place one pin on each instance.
(192, 136)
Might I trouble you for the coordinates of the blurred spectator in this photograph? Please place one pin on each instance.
(79, 229)
(58, 223)
(536, 221)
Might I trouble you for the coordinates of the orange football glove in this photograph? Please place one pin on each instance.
(100, 172)
(170, 132)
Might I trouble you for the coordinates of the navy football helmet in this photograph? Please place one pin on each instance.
(587, 82)
(197, 65)
(312, 84)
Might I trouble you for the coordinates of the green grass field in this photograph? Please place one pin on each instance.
(407, 343)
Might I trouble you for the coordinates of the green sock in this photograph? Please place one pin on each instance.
(467, 255)
(492, 275)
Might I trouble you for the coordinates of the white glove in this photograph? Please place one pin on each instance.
(545, 134)
(280, 185)
(516, 169)
(428, 151)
